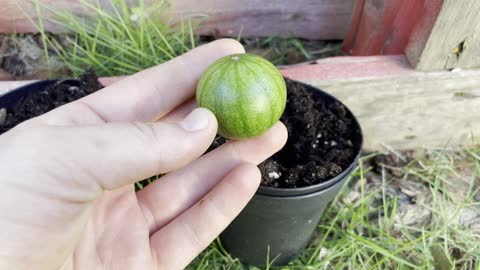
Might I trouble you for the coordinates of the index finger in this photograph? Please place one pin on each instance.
(152, 93)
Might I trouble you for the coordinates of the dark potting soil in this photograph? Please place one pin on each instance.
(320, 136)
(320, 144)
(54, 96)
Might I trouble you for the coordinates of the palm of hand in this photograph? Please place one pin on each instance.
(75, 204)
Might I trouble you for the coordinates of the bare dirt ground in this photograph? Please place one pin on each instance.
(408, 178)
(22, 57)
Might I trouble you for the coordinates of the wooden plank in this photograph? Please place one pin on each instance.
(333, 68)
(312, 19)
(388, 26)
(396, 106)
(350, 39)
(421, 33)
(454, 41)
(421, 110)
(16, 14)
(407, 109)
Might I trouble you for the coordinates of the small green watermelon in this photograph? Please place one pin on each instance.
(246, 93)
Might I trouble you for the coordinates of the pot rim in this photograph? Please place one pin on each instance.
(13, 95)
(295, 192)
(303, 196)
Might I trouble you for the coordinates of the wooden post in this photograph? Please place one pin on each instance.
(434, 34)
(387, 26)
(454, 41)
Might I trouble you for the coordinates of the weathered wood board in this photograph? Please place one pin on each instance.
(398, 107)
(312, 19)
(422, 110)
(406, 109)
(389, 26)
(454, 41)
(434, 34)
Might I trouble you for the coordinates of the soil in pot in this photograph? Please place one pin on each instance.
(320, 136)
(40, 102)
(320, 144)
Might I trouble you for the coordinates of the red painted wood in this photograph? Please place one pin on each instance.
(421, 33)
(386, 26)
(355, 22)
(335, 68)
(345, 67)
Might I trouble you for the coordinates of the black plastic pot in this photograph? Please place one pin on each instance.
(13, 97)
(278, 223)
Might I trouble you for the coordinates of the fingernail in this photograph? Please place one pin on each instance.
(196, 120)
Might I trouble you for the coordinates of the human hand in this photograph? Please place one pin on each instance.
(67, 198)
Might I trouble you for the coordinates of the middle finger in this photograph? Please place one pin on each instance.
(175, 192)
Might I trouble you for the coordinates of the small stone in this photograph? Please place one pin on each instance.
(409, 192)
(274, 175)
(73, 88)
(323, 253)
(469, 216)
(351, 197)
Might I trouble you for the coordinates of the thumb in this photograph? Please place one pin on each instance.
(112, 155)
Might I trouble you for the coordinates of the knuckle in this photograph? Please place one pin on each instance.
(218, 213)
(145, 132)
(147, 137)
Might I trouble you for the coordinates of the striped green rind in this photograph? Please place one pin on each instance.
(246, 93)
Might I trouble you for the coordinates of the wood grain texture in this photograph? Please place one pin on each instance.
(454, 41)
(397, 106)
(16, 13)
(382, 26)
(421, 33)
(389, 26)
(313, 19)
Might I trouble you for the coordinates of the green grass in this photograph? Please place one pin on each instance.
(354, 235)
(122, 41)
(285, 51)
(127, 39)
